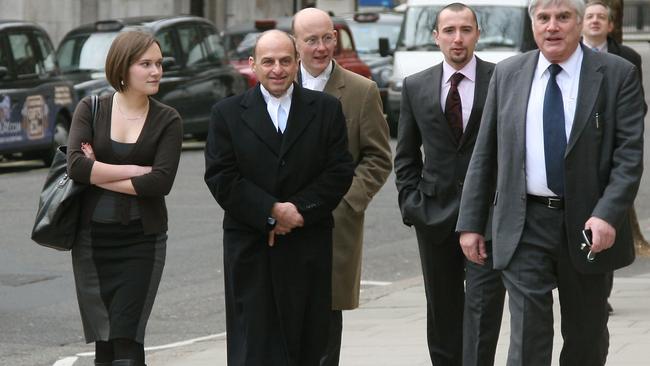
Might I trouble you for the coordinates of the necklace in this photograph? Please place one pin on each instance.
(146, 108)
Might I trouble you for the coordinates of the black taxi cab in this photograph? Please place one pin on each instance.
(196, 71)
(36, 103)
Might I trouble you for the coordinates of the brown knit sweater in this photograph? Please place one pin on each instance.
(159, 146)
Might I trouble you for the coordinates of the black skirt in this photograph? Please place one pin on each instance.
(117, 270)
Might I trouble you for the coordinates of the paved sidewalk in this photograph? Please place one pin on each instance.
(389, 330)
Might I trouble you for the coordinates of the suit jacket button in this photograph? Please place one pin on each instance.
(282, 163)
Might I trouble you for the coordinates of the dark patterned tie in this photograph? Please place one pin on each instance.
(453, 108)
(554, 133)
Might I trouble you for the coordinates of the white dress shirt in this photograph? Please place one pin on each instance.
(273, 103)
(465, 87)
(568, 80)
(315, 82)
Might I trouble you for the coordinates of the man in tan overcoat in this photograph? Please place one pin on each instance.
(369, 145)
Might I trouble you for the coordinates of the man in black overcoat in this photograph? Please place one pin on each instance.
(277, 163)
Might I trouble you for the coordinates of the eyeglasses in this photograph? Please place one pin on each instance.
(327, 40)
(585, 246)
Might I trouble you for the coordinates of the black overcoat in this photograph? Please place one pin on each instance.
(277, 298)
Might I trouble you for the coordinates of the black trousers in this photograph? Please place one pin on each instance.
(464, 303)
(540, 264)
(443, 271)
(333, 352)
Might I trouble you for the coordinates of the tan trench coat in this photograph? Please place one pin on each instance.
(368, 141)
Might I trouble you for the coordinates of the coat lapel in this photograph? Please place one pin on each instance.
(591, 77)
(435, 80)
(300, 115)
(523, 81)
(336, 83)
(483, 75)
(256, 116)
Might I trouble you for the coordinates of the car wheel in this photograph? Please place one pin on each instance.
(60, 137)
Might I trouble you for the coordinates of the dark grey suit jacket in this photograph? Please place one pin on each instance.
(630, 55)
(603, 160)
(429, 190)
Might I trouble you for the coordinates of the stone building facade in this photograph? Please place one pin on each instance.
(60, 16)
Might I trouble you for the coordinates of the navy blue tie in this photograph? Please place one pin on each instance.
(554, 133)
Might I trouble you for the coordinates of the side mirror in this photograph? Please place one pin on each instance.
(384, 47)
(3, 71)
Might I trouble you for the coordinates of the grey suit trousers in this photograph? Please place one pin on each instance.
(484, 297)
(540, 264)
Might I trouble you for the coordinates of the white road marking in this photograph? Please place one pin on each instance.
(375, 283)
(69, 361)
(186, 343)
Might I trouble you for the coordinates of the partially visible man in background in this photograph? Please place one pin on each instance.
(368, 142)
(597, 25)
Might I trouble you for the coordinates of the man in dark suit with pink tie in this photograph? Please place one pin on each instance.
(440, 115)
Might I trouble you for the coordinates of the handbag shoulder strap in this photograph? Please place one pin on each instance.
(94, 102)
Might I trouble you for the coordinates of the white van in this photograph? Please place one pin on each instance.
(505, 31)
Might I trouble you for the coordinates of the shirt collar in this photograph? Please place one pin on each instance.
(600, 47)
(469, 70)
(571, 66)
(284, 100)
(325, 75)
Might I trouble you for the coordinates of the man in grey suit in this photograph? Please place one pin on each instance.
(560, 150)
(440, 112)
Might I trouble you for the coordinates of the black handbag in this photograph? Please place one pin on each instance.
(59, 207)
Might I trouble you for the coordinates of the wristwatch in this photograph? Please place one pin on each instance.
(270, 222)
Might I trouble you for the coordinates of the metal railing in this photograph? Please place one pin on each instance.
(636, 19)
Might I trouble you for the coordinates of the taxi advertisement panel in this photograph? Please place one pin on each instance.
(36, 102)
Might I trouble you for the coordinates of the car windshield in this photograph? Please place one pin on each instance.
(85, 52)
(366, 35)
(240, 46)
(501, 27)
